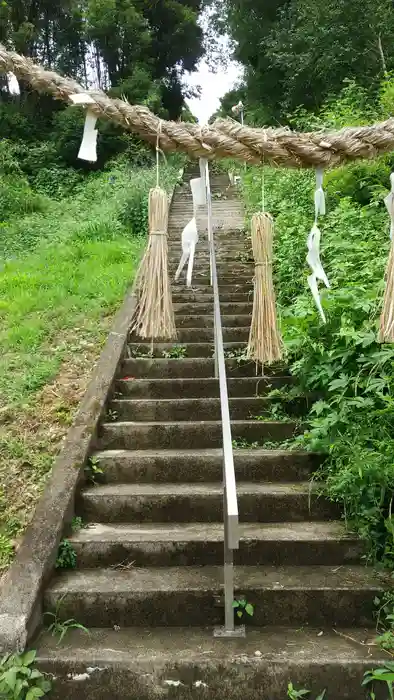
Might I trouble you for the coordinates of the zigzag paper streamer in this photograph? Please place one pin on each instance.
(313, 244)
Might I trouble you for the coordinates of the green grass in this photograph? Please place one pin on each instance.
(63, 274)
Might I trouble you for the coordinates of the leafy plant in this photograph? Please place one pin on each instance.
(58, 628)
(176, 352)
(385, 621)
(77, 523)
(20, 679)
(238, 354)
(112, 415)
(294, 694)
(242, 443)
(66, 556)
(93, 470)
(243, 609)
(384, 674)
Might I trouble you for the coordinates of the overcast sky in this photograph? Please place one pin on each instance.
(213, 87)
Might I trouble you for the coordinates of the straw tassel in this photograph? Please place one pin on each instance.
(386, 333)
(265, 342)
(154, 314)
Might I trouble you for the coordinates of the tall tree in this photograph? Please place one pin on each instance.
(298, 52)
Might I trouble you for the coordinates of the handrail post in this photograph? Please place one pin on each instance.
(230, 504)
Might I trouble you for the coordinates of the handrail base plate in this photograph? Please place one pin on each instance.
(236, 633)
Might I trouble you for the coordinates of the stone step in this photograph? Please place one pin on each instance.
(201, 544)
(226, 251)
(281, 595)
(197, 388)
(202, 502)
(189, 349)
(182, 294)
(128, 435)
(205, 335)
(188, 662)
(196, 466)
(162, 368)
(200, 321)
(235, 283)
(198, 409)
(202, 269)
(203, 288)
(204, 308)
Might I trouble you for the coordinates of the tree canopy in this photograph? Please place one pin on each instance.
(299, 52)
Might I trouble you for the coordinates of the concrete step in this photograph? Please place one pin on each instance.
(201, 544)
(130, 435)
(241, 282)
(197, 409)
(206, 308)
(291, 595)
(205, 335)
(202, 502)
(174, 368)
(188, 663)
(200, 321)
(196, 466)
(189, 349)
(206, 289)
(182, 294)
(197, 388)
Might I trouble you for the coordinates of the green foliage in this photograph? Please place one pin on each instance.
(243, 609)
(57, 627)
(385, 621)
(176, 352)
(384, 674)
(93, 471)
(294, 694)
(77, 523)
(353, 423)
(66, 556)
(20, 679)
(299, 52)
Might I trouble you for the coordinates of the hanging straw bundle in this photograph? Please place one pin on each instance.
(386, 333)
(154, 314)
(265, 342)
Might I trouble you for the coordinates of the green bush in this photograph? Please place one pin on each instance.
(353, 423)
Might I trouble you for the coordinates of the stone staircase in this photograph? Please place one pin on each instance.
(148, 582)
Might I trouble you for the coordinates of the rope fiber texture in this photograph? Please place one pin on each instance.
(225, 138)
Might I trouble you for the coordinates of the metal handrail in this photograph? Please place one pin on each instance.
(230, 503)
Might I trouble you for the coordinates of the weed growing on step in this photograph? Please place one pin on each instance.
(383, 674)
(93, 470)
(176, 352)
(20, 679)
(238, 354)
(66, 556)
(275, 411)
(59, 628)
(294, 694)
(243, 444)
(243, 609)
(139, 353)
(112, 415)
(77, 523)
(385, 621)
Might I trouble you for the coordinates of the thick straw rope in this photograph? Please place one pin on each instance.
(225, 138)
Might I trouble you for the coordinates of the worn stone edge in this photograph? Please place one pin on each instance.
(22, 585)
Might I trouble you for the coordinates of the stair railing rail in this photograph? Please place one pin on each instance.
(230, 503)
